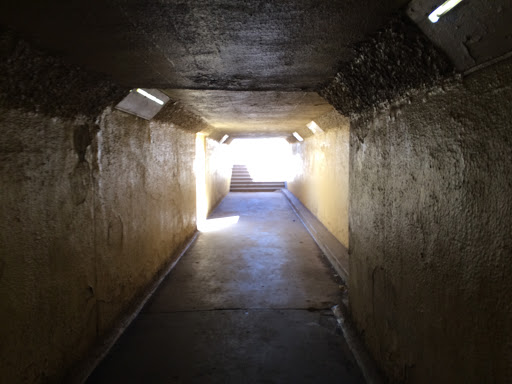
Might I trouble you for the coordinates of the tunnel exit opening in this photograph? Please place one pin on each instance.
(266, 159)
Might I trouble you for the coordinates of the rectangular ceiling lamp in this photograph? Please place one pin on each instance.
(297, 136)
(446, 7)
(313, 127)
(145, 103)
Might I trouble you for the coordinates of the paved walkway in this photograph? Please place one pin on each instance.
(249, 303)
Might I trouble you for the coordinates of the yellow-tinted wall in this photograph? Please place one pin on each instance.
(213, 175)
(218, 172)
(90, 214)
(321, 183)
(94, 203)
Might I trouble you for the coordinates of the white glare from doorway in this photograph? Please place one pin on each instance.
(443, 9)
(267, 159)
(149, 96)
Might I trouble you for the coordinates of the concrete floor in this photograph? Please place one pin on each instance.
(246, 304)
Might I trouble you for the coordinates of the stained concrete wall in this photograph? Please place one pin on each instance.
(84, 228)
(322, 180)
(430, 232)
(94, 203)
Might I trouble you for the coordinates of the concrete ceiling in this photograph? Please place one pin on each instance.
(215, 44)
(247, 113)
(246, 66)
(200, 52)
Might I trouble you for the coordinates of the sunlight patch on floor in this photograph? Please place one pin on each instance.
(212, 225)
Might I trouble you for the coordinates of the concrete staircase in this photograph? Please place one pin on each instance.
(241, 181)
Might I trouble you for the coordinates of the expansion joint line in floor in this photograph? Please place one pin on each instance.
(308, 309)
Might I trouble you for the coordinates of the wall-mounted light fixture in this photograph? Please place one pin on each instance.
(313, 127)
(442, 10)
(145, 103)
(224, 138)
(150, 96)
(297, 136)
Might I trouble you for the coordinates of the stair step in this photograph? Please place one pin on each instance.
(277, 185)
(241, 181)
(253, 189)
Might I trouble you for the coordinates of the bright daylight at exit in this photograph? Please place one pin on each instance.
(266, 160)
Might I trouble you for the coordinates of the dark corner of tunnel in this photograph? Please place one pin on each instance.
(39, 81)
(173, 112)
(395, 60)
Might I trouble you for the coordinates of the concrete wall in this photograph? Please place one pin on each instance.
(213, 173)
(90, 213)
(430, 232)
(94, 203)
(218, 172)
(322, 183)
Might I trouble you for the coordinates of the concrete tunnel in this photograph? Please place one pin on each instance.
(405, 169)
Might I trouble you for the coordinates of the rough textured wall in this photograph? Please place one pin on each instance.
(93, 204)
(218, 172)
(33, 80)
(145, 205)
(395, 60)
(322, 183)
(430, 232)
(90, 213)
(176, 113)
